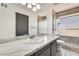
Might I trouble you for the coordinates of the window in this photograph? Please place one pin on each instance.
(71, 22)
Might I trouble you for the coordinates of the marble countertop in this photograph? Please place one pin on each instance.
(70, 35)
(21, 48)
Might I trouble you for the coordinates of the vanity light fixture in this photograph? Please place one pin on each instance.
(29, 5)
(34, 6)
(33, 3)
(38, 6)
(23, 3)
(34, 9)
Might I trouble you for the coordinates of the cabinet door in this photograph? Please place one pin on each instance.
(44, 51)
(53, 48)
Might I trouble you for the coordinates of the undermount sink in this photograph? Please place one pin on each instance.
(34, 40)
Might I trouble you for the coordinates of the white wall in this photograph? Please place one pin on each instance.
(50, 21)
(8, 21)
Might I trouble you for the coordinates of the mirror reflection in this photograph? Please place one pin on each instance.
(42, 24)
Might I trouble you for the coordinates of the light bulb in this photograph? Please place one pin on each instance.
(29, 5)
(38, 6)
(34, 9)
(23, 3)
(33, 3)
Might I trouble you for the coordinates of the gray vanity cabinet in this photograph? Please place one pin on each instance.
(53, 48)
(44, 51)
(48, 50)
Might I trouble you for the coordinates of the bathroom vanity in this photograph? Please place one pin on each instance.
(48, 50)
(40, 46)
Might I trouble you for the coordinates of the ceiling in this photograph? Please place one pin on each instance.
(64, 6)
(58, 7)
